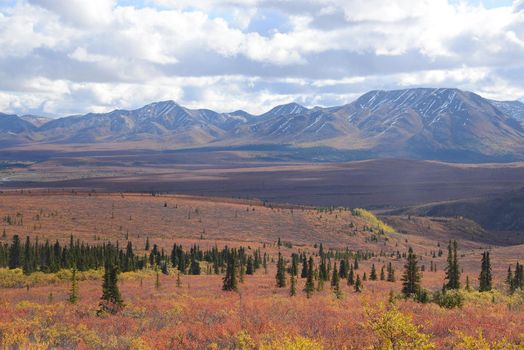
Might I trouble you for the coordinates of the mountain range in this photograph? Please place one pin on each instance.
(419, 123)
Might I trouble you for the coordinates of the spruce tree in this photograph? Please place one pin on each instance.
(335, 283)
(391, 273)
(303, 273)
(358, 284)
(509, 279)
(195, 267)
(250, 267)
(27, 266)
(343, 272)
(294, 264)
(452, 268)
(382, 274)
(111, 299)
(73, 294)
(281, 272)
(351, 276)
(230, 279)
(485, 277)
(310, 286)
(242, 272)
(373, 274)
(411, 277)
(517, 281)
(335, 278)
(15, 253)
(293, 287)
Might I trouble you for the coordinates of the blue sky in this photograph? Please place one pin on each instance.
(61, 58)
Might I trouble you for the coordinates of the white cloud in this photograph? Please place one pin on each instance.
(67, 57)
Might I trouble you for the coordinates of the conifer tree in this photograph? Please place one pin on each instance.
(391, 273)
(281, 272)
(111, 299)
(485, 278)
(15, 253)
(452, 268)
(358, 284)
(343, 272)
(310, 286)
(250, 267)
(294, 264)
(411, 277)
(509, 279)
(73, 294)
(195, 267)
(335, 278)
(27, 266)
(364, 277)
(373, 274)
(382, 274)
(293, 287)
(230, 279)
(355, 264)
(517, 282)
(335, 282)
(351, 276)
(303, 273)
(242, 272)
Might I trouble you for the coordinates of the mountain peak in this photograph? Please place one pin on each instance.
(287, 109)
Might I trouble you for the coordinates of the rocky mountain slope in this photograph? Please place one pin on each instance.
(444, 124)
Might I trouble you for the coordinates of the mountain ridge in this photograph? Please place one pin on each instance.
(420, 123)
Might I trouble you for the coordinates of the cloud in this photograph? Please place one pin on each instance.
(76, 56)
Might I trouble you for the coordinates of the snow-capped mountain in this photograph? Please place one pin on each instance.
(165, 120)
(447, 124)
(514, 109)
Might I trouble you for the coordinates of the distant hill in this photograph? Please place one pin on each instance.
(503, 212)
(421, 123)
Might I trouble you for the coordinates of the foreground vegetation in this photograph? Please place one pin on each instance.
(289, 299)
(195, 287)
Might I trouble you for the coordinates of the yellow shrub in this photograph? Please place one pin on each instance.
(292, 343)
(467, 342)
(396, 331)
(244, 341)
(373, 220)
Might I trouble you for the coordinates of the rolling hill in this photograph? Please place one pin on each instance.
(501, 212)
(421, 123)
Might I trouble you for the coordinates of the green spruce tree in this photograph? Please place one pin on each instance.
(73, 294)
(485, 277)
(411, 278)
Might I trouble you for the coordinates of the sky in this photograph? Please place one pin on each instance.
(63, 57)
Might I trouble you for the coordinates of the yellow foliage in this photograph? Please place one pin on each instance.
(15, 278)
(373, 220)
(396, 331)
(292, 343)
(244, 341)
(138, 344)
(467, 342)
